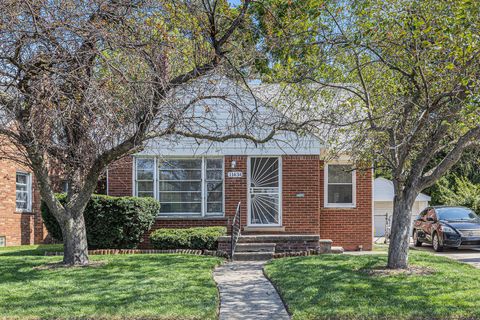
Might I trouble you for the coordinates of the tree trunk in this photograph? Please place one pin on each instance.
(75, 247)
(400, 233)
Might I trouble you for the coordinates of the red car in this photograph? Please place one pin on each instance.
(451, 227)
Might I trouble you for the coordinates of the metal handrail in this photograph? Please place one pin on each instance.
(235, 230)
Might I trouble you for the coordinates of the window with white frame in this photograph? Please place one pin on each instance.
(3, 241)
(23, 192)
(339, 185)
(145, 179)
(187, 186)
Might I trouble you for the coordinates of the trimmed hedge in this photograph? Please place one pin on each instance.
(190, 238)
(111, 222)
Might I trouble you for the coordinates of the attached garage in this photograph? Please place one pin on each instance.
(383, 205)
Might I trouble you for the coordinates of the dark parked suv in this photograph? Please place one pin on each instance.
(443, 226)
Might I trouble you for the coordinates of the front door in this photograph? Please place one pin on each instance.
(264, 196)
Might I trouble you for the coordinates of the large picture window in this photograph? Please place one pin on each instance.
(23, 192)
(180, 186)
(188, 186)
(339, 185)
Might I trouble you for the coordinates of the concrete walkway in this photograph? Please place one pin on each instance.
(246, 294)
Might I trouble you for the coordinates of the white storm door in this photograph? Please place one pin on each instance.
(264, 191)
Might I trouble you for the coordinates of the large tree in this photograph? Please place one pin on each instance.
(412, 68)
(83, 83)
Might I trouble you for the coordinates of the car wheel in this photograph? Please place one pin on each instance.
(416, 242)
(437, 246)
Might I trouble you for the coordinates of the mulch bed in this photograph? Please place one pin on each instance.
(410, 271)
(145, 251)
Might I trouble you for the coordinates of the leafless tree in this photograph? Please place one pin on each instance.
(83, 83)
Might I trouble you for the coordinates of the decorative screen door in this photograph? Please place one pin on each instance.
(264, 191)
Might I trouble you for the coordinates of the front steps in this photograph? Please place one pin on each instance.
(251, 251)
(267, 246)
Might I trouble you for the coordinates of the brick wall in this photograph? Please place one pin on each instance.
(120, 175)
(236, 188)
(349, 227)
(300, 176)
(18, 228)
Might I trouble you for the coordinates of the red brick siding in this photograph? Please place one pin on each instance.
(236, 188)
(18, 228)
(300, 174)
(349, 227)
(120, 175)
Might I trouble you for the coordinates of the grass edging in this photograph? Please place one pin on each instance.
(285, 305)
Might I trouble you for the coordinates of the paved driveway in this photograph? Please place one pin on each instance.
(468, 256)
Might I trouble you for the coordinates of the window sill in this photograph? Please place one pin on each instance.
(183, 217)
(24, 211)
(340, 206)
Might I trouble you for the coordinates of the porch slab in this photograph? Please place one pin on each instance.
(263, 229)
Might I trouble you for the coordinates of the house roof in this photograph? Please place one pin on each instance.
(237, 111)
(383, 191)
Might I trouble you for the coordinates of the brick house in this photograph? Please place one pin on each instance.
(284, 186)
(20, 217)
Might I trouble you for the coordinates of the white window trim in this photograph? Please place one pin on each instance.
(29, 192)
(204, 213)
(325, 187)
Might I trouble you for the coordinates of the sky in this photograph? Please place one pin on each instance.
(234, 2)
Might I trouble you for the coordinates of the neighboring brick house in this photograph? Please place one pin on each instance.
(20, 217)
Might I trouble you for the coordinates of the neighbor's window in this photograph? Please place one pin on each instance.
(190, 186)
(23, 191)
(3, 241)
(340, 185)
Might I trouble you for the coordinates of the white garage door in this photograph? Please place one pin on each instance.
(382, 208)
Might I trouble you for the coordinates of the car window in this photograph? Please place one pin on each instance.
(430, 214)
(422, 214)
(456, 213)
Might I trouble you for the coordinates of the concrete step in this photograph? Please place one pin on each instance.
(255, 247)
(337, 250)
(252, 256)
(275, 238)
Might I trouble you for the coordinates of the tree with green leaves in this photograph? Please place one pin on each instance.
(409, 71)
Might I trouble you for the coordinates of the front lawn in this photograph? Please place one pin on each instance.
(125, 286)
(334, 286)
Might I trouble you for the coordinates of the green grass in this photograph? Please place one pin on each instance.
(333, 286)
(157, 286)
(381, 247)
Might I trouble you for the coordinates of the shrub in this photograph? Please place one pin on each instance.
(190, 238)
(462, 192)
(111, 222)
